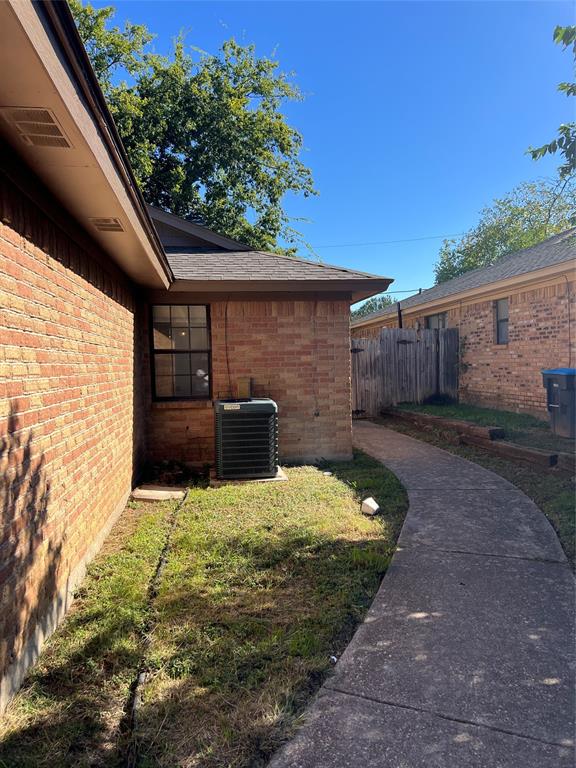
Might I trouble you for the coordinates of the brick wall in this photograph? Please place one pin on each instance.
(509, 376)
(298, 353)
(371, 333)
(542, 328)
(68, 444)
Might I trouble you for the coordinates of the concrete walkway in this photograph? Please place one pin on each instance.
(466, 657)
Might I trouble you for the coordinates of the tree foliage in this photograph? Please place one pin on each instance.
(529, 214)
(205, 134)
(375, 304)
(111, 49)
(565, 142)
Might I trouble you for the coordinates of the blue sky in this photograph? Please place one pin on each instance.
(417, 114)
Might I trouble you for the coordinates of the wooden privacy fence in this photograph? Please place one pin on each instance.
(403, 366)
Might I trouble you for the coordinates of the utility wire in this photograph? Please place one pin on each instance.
(411, 290)
(390, 242)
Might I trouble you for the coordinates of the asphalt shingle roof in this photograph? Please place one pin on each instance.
(555, 250)
(200, 265)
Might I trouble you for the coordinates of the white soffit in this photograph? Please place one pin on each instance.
(46, 120)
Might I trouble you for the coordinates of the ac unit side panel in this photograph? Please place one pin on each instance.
(246, 439)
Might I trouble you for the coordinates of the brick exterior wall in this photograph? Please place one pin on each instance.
(374, 332)
(77, 417)
(297, 352)
(542, 334)
(509, 375)
(69, 441)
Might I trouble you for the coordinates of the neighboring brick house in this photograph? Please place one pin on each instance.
(85, 270)
(515, 318)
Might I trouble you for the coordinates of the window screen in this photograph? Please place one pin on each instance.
(501, 320)
(435, 322)
(180, 351)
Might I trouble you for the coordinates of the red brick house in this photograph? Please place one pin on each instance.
(119, 325)
(280, 321)
(515, 318)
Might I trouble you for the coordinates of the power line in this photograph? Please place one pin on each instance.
(390, 242)
(395, 293)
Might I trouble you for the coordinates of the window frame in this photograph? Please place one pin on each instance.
(444, 315)
(499, 320)
(153, 352)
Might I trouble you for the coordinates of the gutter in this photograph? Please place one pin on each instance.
(64, 28)
(358, 289)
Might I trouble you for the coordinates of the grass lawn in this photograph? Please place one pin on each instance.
(264, 583)
(553, 493)
(521, 428)
(71, 706)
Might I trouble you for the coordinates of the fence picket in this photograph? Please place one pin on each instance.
(403, 366)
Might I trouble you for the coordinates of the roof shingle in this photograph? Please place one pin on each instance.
(555, 250)
(199, 265)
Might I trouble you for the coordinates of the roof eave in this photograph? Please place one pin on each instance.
(51, 71)
(357, 289)
(197, 230)
(69, 37)
(365, 289)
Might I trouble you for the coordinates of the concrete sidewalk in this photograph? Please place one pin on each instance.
(466, 657)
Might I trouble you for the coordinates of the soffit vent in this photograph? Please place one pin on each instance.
(108, 224)
(36, 127)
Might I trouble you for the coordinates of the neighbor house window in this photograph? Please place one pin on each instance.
(435, 322)
(180, 351)
(501, 321)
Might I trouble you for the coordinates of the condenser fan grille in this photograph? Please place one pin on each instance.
(246, 439)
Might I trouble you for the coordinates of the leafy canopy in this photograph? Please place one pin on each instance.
(205, 134)
(565, 142)
(375, 304)
(529, 214)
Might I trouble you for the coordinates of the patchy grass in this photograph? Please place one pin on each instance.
(552, 492)
(521, 428)
(264, 584)
(71, 706)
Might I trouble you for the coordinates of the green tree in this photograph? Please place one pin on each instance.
(529, 214)
(565, 142)
(205, 134)
(375, 304)
(111, 48)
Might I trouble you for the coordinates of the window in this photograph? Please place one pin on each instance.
(501, 320)
(435, 322)
(180, 352)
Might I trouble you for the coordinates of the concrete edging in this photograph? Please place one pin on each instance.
(489, 439)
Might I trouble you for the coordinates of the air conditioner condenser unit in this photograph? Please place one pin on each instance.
(246, 438)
